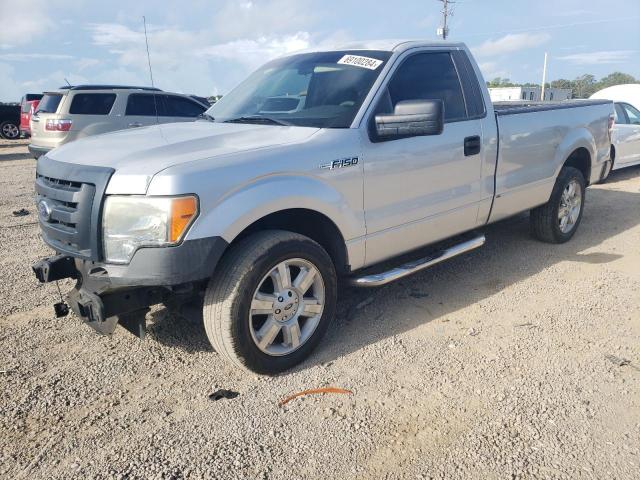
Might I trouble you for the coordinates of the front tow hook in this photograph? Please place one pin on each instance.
(54, 268)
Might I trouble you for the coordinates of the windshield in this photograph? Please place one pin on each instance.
(49, 103)
(323, 90)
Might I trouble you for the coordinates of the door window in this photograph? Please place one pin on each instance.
(145, 105)
(92, 103)
(428, 76)
(182, 107)
(633, 114)
(621, 116)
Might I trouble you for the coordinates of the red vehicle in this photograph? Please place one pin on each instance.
(28, 105)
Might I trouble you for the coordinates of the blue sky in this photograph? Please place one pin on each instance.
(206, 47)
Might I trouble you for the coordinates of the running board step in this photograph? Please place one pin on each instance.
(409, 268)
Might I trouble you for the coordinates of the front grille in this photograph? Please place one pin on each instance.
(69, 198)
(64, 209)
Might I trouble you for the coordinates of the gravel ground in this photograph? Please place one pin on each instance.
(504, 363)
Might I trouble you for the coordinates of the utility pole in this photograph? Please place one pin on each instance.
(443, 31)
(544, 77)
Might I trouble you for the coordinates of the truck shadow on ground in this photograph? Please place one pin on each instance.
(367, 316)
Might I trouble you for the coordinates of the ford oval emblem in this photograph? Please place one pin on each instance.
(44, 209)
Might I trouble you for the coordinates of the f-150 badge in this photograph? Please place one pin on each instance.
(340, 163)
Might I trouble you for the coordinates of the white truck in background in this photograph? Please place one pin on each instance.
(369, 162)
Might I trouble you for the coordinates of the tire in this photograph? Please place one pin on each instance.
(546, 222)
(9, 130)
(242, 333)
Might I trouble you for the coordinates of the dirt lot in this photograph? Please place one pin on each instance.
(494, 365)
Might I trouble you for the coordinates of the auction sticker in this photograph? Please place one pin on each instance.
(358, 61)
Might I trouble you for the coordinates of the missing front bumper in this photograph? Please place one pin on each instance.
(94, 301)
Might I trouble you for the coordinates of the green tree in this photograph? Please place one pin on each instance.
(616, 78)
(584, 86)
(562, 83)
(501, 82)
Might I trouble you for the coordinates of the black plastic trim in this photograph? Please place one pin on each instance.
(510, 108)
(190, 261)
(89, 230)
(473, 96)
(103, 292)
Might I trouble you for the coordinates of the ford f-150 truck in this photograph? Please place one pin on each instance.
(366, 163)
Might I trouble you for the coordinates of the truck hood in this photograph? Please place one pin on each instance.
(137, 155)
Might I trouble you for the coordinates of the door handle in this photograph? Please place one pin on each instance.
(472, 145)
(134, 125)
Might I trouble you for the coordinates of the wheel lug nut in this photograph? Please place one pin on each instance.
(280, 299)
(277, 311)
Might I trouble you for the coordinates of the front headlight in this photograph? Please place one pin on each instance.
(131, 222)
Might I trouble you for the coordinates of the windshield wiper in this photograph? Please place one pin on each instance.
(206, 116)
(258, 120)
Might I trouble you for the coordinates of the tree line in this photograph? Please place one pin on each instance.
(582, 87)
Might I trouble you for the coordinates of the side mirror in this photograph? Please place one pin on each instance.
(411, 118)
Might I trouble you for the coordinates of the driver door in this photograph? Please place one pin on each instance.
(422, 189)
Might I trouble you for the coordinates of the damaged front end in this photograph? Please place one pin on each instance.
(71, 200)
(95, 300)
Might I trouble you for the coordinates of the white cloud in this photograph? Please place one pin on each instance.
(184, 59)
(23, 21)
(25, 57)
(254, 53)
(52, 81)
(168, 46)
(510, 43)
(251, 19)
(84, 63)
(491, 70)
(11, 90)
(599, 58)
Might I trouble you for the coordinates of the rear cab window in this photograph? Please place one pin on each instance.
(92, 103)
(49, 103)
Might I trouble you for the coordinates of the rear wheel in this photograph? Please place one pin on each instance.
(558, 219)
(271, 301)
(9, 130)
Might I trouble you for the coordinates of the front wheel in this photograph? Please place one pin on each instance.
(271, 301)
(557, 220)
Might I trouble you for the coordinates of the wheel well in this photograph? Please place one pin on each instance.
(309, 223)
(580, 159)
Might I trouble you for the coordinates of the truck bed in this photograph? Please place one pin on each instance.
(515, 107)
(536, 138)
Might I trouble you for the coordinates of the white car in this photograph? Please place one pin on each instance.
(625, 144)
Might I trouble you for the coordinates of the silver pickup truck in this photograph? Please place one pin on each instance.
(366, 163)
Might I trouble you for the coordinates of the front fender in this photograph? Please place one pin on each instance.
(243, 206)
